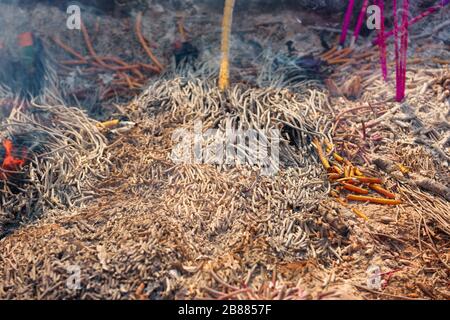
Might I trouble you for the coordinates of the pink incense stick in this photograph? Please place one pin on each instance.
(396, 48)
(403, 51)
(382, 41)
(346, 24)
(361, 17)
(414, 20)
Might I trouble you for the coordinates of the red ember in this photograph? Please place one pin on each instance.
(10, 163)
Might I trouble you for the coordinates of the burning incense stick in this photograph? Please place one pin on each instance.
(224, 77)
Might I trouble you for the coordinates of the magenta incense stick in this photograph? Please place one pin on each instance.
(382, 41)
(346, 24)
(362, 15)
(403, 50)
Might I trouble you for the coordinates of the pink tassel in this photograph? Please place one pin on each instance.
(346, 24)
(361, 17)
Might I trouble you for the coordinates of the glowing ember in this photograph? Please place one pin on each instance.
(10, 162)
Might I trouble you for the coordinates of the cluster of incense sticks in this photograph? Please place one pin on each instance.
(347, 179)
(418, 18)
(400, 33)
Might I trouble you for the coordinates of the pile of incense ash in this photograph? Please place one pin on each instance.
(48, 152)
(361, 182)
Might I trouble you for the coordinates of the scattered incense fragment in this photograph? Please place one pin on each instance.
(358, 172)
(353, 197)
(369, 179)
(108, 124)
(362, 179)
(337, 157)
(355, 189)
(360, 214)
(381, 190)
(334, 176)
(337, 170)
(402, 168)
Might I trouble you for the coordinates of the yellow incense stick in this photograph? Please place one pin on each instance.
(224, 77)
